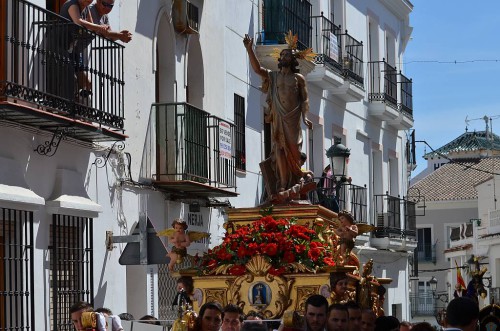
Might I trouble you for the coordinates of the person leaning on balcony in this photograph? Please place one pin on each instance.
(99, 12)
(76, 11)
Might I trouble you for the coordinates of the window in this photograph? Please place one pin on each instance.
(16, 270)
(425, 249)
(239, 121)
(71, 270)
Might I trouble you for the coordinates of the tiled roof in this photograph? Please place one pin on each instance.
(469, 141)
(456, 180)
(458, 248)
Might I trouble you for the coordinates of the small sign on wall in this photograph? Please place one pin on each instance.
(334, 47)
(225, 140)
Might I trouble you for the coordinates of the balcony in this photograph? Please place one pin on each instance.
(339, 65)
(382, 93)
(351, 197)
(38, 84)
(279, 17)
(194, 154)
(405, 104)
(390, 232)
(422, 304)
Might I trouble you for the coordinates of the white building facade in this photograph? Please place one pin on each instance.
(175, 128)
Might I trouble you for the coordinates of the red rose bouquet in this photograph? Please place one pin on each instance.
(287, 246)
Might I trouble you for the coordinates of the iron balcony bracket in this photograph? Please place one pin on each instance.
(49, 148)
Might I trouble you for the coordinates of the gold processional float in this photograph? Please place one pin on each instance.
(271, 260)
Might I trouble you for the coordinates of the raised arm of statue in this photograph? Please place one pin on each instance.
(254, 62)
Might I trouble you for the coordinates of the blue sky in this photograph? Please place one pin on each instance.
(444, 93)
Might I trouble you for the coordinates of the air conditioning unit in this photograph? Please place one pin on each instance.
(185, 17)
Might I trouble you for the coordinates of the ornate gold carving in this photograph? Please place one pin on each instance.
(303, 292)
(258, 265)
(239, 293)
(216, 294)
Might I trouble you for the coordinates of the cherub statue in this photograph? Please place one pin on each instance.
(180, 240)
(347, 232)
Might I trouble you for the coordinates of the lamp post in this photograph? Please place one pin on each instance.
(443, 297)
(339, 156)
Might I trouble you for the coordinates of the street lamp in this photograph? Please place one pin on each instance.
(339, 156)
(443, 297)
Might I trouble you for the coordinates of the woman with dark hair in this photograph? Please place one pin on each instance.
(209, 318)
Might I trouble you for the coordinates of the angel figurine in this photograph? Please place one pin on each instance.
(180, 240)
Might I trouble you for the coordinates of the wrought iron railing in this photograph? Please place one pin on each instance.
(42, 55)
(406, 102)
(422, 304)
(388, 215)
(426, 252)
(350, 197)
(327, 43)
(410, 215)
(353, 59)
(281, 16)
(193, 145)
(383, 83)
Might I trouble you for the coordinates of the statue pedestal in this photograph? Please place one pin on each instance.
(304, 214)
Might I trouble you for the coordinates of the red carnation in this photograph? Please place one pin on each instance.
(289, 257)
(314, 254)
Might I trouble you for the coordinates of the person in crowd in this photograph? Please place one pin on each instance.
(116, 322)
(126, 317)
(354, 312)
(386, 323)
(462, 314)
(99, 12)
(422, 326)
(149, 319)
(209, 317)
(368, 318)
(232, 318)
(316, 309)
(76, 312)
(338, 318)
(105, 311)
(405, 326)
(252, 326)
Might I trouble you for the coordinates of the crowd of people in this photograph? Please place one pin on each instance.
(462, 314)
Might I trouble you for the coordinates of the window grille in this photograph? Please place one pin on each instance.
(71, 270)
(239, 121)
(17, 301)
